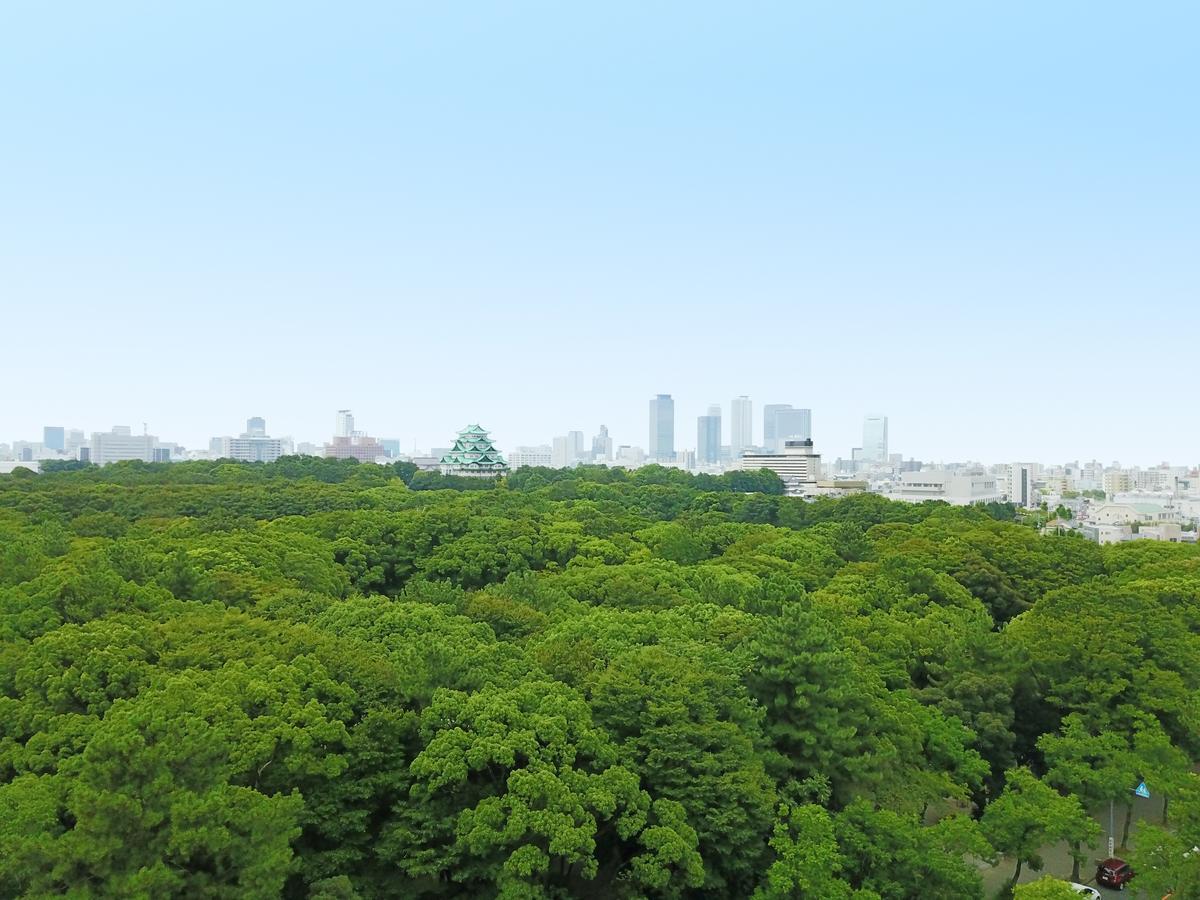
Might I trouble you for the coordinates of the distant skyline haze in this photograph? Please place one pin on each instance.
(980, 222)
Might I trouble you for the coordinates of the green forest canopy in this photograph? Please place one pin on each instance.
(322, 679)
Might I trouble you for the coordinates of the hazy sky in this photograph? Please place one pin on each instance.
(982, 219)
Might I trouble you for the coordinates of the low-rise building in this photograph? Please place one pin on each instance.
(1106, 534)
(630, 457)
(1167, 531)
(951, 487)
(1128, 513)
(837, 487)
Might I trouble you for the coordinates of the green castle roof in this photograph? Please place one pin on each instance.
(473, 450)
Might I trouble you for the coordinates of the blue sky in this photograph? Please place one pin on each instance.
(980, 219)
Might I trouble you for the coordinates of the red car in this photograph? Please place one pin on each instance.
(1114, 873)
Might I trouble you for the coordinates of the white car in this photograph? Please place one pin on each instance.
(1084, 891)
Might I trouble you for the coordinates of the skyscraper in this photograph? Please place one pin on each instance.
(256, 426)
(875, 440)
(783, 423)
(602, 446)
(741, 424)
(75, 440)
(54, 438)
(662, 428)
(562, 452)
(708, 437)
(345, 424)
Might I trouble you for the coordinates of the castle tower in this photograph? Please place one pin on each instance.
(474, 455)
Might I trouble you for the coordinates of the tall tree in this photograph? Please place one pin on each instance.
(1028, 816)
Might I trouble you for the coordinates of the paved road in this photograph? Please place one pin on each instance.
(1057, 858)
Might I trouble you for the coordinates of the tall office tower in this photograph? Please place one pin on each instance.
(602, 446)
(708, 437)
(875, 440)
(741, 425)
(771, 412)
(256, 426)
(662, 428)
(54, 438)
(75, 440)
(783, 423)
(1021, 489)
(345, 424)
(561, 456)
(575, 440)
(795, 425)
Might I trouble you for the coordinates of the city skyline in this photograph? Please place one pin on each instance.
(685, 429)
(846, 211)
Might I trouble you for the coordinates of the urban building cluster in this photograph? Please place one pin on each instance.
(1103, 503)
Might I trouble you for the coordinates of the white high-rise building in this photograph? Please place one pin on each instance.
(121, 444)
(798, 466)
(566, 450)
(1020, 485)
(253, 445)
(541, 455)
(741, 425)
(344, 427)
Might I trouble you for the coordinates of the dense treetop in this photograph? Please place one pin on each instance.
(322, 679)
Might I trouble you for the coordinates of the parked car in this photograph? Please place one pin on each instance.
(1084, 891)
(1114, 873)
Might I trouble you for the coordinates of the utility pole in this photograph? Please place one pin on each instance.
(1111, 843)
